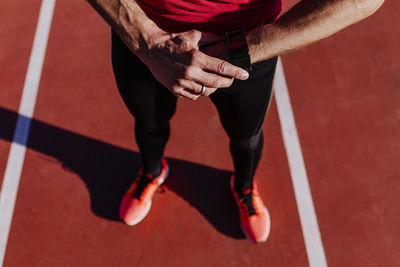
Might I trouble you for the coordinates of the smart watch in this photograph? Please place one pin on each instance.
(239, 54)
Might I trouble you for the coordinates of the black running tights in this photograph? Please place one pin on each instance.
(241, 107)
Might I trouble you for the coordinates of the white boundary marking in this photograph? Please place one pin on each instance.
(16, 157)
(308, 218)
(8, 193)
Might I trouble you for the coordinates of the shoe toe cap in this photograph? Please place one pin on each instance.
(257, 227)
(132, 211)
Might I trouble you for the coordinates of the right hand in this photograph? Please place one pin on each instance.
(176, 62)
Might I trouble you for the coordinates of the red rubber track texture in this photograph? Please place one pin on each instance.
(345, 96)
(81, 156)
(17, 28)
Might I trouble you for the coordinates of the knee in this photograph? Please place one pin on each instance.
(247, 142)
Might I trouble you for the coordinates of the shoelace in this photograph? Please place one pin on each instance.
(246, 203)
(143, 182)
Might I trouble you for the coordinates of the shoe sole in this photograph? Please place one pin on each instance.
(148, 207)
(266, 235)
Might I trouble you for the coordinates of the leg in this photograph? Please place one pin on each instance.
(149, 102)
(242, 109)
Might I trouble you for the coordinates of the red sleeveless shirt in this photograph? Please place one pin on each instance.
(216, 16)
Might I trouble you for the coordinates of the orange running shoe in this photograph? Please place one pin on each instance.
(136, 202)
(254, 216)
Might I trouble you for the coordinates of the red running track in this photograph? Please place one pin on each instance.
(81, 155)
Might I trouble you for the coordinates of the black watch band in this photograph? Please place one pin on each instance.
(239, 54)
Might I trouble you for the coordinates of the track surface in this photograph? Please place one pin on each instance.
(81, 156)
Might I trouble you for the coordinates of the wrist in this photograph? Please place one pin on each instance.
(150, 36)
(253, 41)
(265, 42)
(138, 32)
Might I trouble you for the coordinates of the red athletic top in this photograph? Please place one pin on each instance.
(217, 16)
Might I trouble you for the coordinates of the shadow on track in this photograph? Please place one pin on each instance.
(108, 170)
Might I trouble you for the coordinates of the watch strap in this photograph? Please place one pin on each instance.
(239, 54)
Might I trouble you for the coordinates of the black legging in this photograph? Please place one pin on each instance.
(241, 107)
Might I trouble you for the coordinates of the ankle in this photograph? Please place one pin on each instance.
(153, 169)
(242, 189)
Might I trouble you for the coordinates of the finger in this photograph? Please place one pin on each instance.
(223, 67)
(209, 79)
(193, 35)
(196, 88)
(196, 74)
(187, 94)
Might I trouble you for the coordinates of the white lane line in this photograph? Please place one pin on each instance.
(16, 157)
(308, 218)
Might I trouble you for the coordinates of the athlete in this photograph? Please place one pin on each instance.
(222, 49)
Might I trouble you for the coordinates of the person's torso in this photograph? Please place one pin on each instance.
(217, 16)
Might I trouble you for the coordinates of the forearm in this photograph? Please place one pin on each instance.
(130, 22)
(307, 22)
(174, 59)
